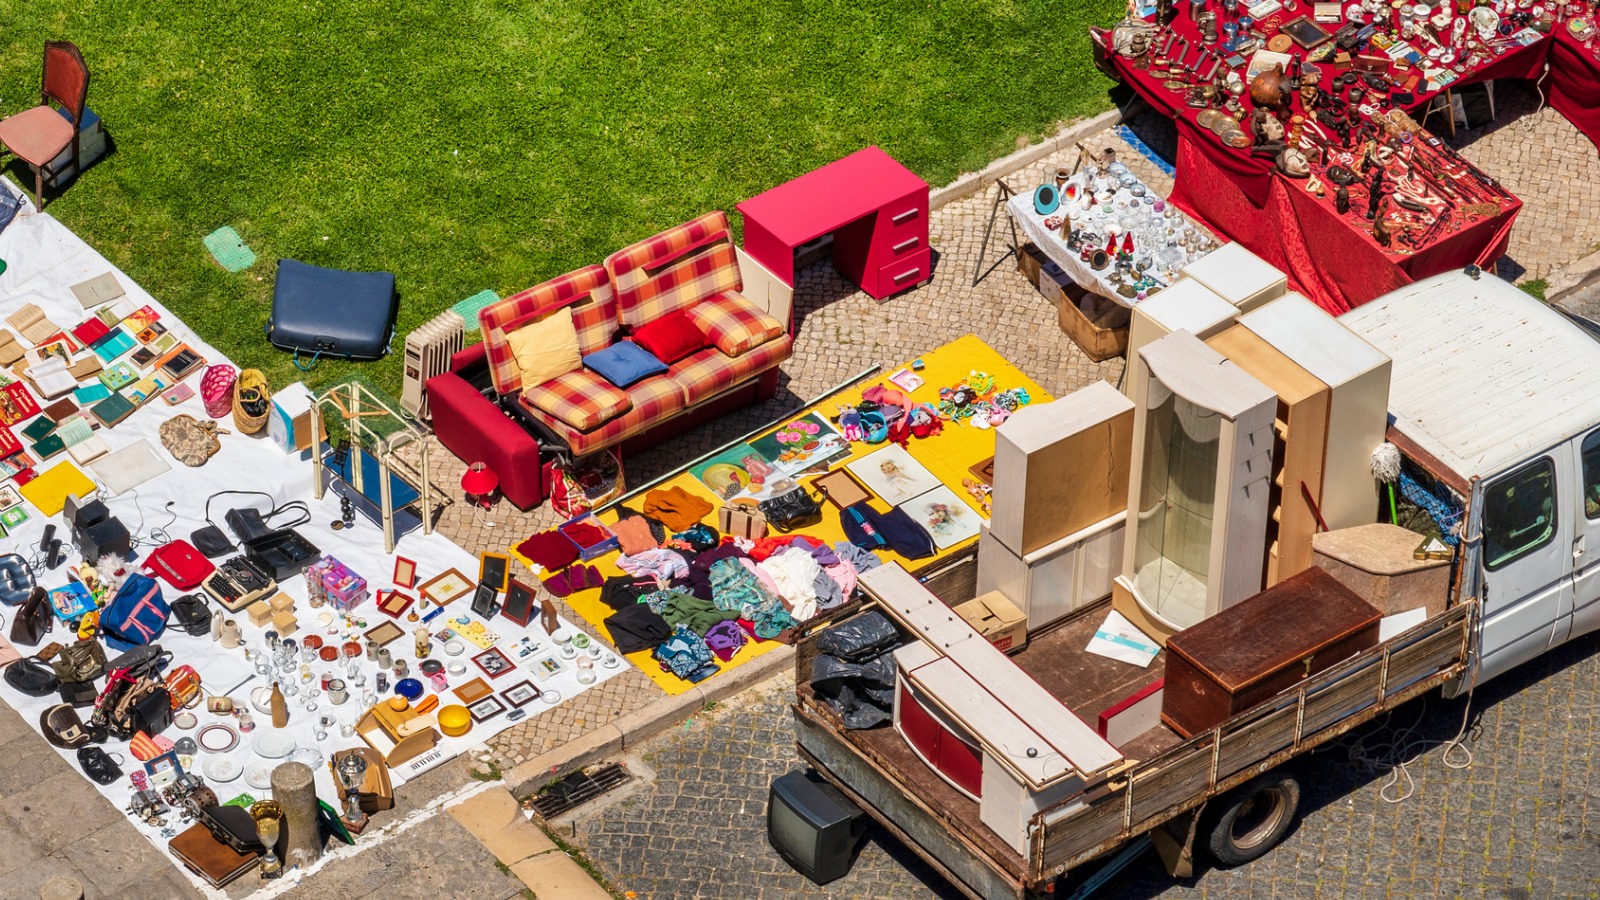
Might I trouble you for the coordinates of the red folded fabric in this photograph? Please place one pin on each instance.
(550, 549)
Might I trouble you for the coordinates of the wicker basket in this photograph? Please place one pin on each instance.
(250, 384)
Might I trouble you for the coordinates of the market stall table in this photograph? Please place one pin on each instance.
(1333, 257)
(1142, 241)
(948, 458)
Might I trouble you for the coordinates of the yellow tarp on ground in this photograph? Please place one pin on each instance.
(947, 455)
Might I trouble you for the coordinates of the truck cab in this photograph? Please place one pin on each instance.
(1494, 393)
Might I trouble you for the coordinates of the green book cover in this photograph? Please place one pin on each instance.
(119, 376)
(112, 410)
(39, 429)
(49, 447)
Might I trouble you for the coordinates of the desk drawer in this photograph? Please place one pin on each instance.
(901, 219)
(903, 273)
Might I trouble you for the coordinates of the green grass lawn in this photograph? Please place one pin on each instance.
(495, 144)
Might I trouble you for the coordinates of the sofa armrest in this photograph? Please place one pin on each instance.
(470, 362)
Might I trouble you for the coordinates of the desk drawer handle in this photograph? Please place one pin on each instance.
(907, 216)
(906, 244)
(906, 274)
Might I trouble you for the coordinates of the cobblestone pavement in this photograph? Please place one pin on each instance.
(1522, 821)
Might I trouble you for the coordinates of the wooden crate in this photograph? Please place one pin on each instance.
(1267, 644)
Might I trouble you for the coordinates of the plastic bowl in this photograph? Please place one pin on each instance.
(409, 688)
(454, 720)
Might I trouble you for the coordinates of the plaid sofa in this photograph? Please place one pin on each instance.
(690, 267)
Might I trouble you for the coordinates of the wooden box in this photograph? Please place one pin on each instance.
(1060, 467)
(1357, 376)
(1376, 562)
(1300, 439)
(1238, 276)
(1265, 645)
(1097, 325)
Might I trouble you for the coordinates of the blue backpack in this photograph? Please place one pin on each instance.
(136, 615)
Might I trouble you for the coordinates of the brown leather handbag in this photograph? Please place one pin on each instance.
(33, 619)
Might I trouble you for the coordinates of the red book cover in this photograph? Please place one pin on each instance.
(90, 331)
(16, 404)
(8, 442)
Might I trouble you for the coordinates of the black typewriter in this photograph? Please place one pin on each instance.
(237, 583)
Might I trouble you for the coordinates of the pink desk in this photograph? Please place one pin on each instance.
(876, 209)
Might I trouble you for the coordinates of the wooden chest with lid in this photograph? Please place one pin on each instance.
(1264, 645)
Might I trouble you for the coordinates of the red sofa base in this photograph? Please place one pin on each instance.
(476, 430)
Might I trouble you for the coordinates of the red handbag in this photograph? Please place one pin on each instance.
(179, 564)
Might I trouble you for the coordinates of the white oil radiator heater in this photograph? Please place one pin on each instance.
(428, 352)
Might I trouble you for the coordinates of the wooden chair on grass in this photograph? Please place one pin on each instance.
(39, 135)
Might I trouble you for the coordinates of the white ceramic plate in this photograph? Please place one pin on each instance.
(222, 769)
(260, 777)
(272, 745)
(551, 697)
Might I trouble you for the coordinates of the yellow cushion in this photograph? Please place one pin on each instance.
(547, 348)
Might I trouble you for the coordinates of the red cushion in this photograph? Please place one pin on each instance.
(671, 337)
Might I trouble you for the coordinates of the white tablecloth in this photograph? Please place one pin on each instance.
(45, 259)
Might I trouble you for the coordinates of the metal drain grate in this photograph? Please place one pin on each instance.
(579, 788)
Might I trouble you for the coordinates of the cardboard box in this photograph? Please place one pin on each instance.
(997, 619)
(1030, 259)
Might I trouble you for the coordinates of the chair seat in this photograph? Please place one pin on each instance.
(38, 135)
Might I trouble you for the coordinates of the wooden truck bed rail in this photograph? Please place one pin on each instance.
(1320, 709)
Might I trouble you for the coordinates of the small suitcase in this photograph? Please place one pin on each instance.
(329, 312)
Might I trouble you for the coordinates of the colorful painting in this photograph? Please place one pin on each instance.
(808, 443)
(741, 471)
(946, 516)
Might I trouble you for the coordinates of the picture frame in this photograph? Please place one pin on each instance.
(494, 569)
(520, 603)
(1305, 32)
(394, 603)
(446, 587)
(893, 474)
(841, 488)
(546, 666)
(405, 572)
(483, 601)
(494, 663)
(472, 691)
(521, 694)
(486, 709)
(384, 634)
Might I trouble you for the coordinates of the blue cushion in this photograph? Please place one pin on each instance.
(624, 363)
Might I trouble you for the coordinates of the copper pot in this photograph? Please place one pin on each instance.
(1271, 89)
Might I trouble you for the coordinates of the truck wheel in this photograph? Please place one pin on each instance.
(1253, 818)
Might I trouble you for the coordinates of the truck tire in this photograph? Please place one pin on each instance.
(1253, 818)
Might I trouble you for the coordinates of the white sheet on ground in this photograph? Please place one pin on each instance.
(46, 259)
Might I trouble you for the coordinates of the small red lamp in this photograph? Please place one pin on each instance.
(479, 484)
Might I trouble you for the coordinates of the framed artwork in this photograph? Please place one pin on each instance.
(405, 572)
(486, 709)
(520, 694)
(494, 569)
(947, 517)
(473, 691)
(893, 474)
(441, 590)
(841, 488)
(519, 604)
(9, 498)
(545, 666)
(494, 663)
(385, 633)
(483, 600)
(394, 603)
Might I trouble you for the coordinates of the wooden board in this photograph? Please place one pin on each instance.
(1298, 459)
(1061, 467)
(964, 700)
(906, 600)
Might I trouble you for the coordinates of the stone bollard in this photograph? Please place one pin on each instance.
(295, 789)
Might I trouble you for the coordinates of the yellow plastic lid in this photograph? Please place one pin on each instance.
(454, 720)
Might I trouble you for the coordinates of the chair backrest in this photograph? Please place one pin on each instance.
(594, 314)
(65, 79)
(674, 270)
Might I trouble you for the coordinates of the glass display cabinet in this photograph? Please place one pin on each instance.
(1199, 482)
